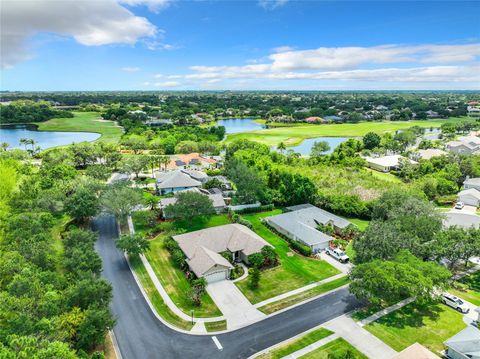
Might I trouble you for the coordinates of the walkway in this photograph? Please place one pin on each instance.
(312, 347)
(298, 290)
(235, 307)
(361, 339)
(385, 311)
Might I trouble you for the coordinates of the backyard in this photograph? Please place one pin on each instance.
(85, 122)
(294, 271)
(428, 325)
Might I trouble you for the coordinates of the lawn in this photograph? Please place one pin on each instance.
(361, 224)
(175, 282)
(294, 271)
(338, 348)
(294, 135)
(296, 344)
(430, 326)
(388, 177)
(297, 298)
(155, 298)
(472, 292)
(202, 223)
(216, 326)
(84, 122)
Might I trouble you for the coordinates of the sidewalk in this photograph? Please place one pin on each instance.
(385, 311)
(312, 347)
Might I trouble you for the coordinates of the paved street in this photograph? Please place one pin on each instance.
(141, 335)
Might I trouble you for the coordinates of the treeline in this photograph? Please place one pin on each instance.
(53, 302)
(30, 111)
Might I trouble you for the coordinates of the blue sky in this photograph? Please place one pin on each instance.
(239, 45)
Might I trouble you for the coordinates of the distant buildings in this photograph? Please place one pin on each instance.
(192, 160)
(429, 153)
(466, 145)
(387, 163)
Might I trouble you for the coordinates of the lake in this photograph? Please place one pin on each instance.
(236, 125)
(306, 146)
(45, 139)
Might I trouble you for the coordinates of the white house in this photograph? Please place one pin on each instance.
(471, 197)
(465, 344)
(472, 183)
(429, 153)
(386, 163)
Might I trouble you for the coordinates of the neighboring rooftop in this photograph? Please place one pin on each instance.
(430, 153)
(387, 161)
(463, 220)
(415, 351)
(472, 181)
(320, 215)
(175, 179)
(466, 342)
(216, 198)
(471, 191)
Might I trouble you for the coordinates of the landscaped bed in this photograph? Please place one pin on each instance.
(287, 302)
(428, 325)
(296, 344)
(294, 271)
(338, 348)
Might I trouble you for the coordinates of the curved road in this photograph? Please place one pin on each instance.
(141, 335)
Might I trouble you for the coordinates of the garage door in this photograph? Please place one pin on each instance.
(216, 276)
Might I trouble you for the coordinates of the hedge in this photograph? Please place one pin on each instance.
(301, 248)
(264, 208)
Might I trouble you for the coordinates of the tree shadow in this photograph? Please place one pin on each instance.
(412, 315)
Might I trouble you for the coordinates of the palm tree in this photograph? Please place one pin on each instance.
(281, 147)
(165, 160)
(24, 142)
(4, 146)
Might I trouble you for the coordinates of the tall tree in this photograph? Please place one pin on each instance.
(120, 200)
(189, 205)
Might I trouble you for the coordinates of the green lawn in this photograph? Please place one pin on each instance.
(202, 223)
(216, 326)
(362, 224)
(429, 326)
(296, 344)
(338, 348)
(175, 282)
(472, 293)
(287, 302)
(84, 122)
(388, 177)
(294, 135)
(157, 301)
(294, 271)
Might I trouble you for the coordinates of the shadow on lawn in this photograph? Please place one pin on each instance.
(413, 315)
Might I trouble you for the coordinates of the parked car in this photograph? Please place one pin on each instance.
(338, 254)
(455, 303)
(459, 205)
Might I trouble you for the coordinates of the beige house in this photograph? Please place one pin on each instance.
(203, 249)
(415, 351)
(386, 163)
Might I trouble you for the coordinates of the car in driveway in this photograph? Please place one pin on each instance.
(338, 254)
(455, 302)
(459, 205)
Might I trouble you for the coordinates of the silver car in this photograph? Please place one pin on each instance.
(455, 303)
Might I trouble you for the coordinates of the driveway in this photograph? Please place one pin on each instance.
(465, 209)
(235, 307)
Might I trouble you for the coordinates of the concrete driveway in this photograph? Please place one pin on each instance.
(235, 307)
(465, 209)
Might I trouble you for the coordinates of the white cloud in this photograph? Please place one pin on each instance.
(272, 4)
(131, 69)
(282, 49)
(152, 5)
(158, 76)
(168, 84)
(89, 22)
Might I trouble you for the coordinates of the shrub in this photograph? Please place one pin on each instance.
(264, 208)
(270, 257)
(178, 258)
(301, 248)
(236, 272)
(171, 245)
(256, 260)
(254, 278)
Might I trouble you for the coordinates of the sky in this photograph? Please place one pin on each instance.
(67, 45)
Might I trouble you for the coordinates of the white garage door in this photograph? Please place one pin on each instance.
(216, 276)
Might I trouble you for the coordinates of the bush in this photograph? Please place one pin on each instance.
(301, 248)
(179, 258)
(237, 219)
(236, 272)
(256, 260)
(254, 278)
(171, 245)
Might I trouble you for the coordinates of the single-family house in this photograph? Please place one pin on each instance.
(462, 220)
(301, 223)
(191, 160)
(432, 114)
(415, 351)
(465, 344)
(386, 163)
(313, 119)
(174, 181)
(429, 153)
(470, 197)
(197, 175)
(333, 118)
(472, 183)
(464, 145)
(203, 249)
(218, 202)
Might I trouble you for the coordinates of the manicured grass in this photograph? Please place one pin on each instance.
(287, 302)
(293, 135)
(294, 271)
(472, 293)
(216, 326)
(175, 282)
(84, 122)
(296, 344)
(337, 348)
(430, 326)
(198, 223)
(362, 224)
(155, 298)
(388, 177)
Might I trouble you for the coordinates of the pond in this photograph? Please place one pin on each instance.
(236, 125)
(306, 146)
(44, 139)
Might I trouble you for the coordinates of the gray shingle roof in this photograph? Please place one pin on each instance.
(471, 191)
(472, 181)
(175, 179)
(203, 259)
(466, 342)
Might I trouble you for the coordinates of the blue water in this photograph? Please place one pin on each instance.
(45, 139)
(236, 125)
(306, 146)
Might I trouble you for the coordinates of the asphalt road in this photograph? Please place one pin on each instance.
(141, 335)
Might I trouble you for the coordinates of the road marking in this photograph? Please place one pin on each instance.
(217, 343)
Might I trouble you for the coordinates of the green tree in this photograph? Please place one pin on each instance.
(119, 200)
(189, 205)
(319, 148)
(281, 147)
(82, 204)
(254, 277)
(133, 244)
(371, 140)
(150, 200)
(389, 281)
(135, 164)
